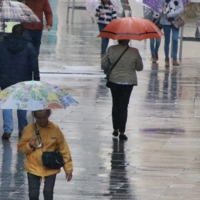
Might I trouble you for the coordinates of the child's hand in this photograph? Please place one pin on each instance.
(32, 142)
(69, 176)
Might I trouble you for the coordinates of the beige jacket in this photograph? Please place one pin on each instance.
(124, 71)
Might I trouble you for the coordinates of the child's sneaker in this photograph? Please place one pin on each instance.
(115, 134)
(123, 137)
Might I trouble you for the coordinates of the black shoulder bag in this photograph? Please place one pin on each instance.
(53, 159)
(108, 74)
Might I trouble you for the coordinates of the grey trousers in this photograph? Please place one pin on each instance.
(34, 186)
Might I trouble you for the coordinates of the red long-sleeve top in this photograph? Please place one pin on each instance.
(39, 7)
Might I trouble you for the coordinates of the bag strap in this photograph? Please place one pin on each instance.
(35, 129)
(116, 62)
(37, 133)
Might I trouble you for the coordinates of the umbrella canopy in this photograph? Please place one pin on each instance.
(17, 12)
(91, 6)
(131, 28)
(34, 95)
(154, 3)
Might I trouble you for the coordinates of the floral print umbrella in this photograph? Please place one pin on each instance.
(35, 95)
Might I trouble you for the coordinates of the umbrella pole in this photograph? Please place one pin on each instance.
(33, 128)
(32, 113)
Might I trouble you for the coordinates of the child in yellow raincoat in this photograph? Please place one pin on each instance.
(51, 137)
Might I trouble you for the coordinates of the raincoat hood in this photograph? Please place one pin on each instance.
(15, 44)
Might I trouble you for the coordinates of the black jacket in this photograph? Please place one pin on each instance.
(18, 59)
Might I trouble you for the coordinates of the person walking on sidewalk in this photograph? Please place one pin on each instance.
(18, 60)
(154, 42)
(122, 79)
(169, 10)
(33, 31)
(52, 138)
(105, 14)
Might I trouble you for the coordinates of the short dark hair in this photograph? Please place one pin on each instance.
(109, 3)
(124, 42)
(47, 110)
(18, 30)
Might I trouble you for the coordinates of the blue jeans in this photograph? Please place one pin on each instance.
(154, 46)
(8, 120)
(175, 32)
(34, 36)
(104, 41)
(34, 186)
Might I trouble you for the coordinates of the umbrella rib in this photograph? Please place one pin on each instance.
(128, 33)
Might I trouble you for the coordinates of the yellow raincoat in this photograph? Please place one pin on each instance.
(51, 137)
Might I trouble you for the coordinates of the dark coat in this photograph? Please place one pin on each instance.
(18, 59)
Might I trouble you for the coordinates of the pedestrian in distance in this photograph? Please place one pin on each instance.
(169, 10)
(105, 14)
(18, 59)
(52, 138)
(154, 42)
(121, 81)
(33, 31)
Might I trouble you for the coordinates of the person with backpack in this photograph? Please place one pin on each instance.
(19, 61)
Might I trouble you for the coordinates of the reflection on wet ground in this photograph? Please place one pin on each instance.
(160, 161)
(119, 182)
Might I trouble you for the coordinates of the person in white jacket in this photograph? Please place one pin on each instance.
(170, 10)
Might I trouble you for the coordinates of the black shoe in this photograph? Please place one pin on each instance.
(6, 136)
(123, 137)
(115, 133)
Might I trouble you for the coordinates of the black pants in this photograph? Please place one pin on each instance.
(34, 186)
(120, 98)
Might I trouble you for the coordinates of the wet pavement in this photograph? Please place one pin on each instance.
(160, 160)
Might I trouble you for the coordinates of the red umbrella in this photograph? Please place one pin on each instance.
(131, 28)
